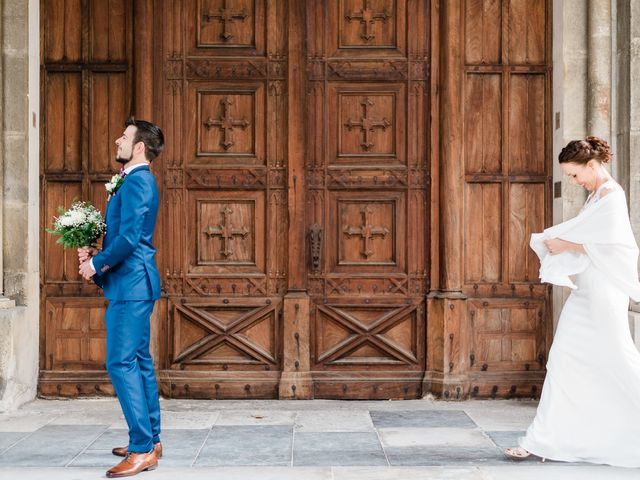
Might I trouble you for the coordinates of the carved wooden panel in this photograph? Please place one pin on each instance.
(226, 27)
(366, 233)
(368, 27)
(62, 33)
(483, 124)
(483, 232)
(527, 113)
(229, 123)
(362, 224)
(527, 31)
(214, 335)
(63, 110)
(526, 216)
(483, 32)
(369, 123)
(227, 231)
(507, 335)
(374, 335)
(109, 24)
(60, 265)
(510, 31)
(75, 335)
(107, 108)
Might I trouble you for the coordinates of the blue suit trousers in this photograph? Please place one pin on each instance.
(131, 370)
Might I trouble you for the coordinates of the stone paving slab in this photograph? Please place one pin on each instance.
(418, 419)
(503, 418)
(54, 445)
(428, 437)
(9, 438)
(445, 456)
(333, 421)
(188, 420)
(505, 439)
(338, 448)
(256, 417)
(25, 421)
(247, 445)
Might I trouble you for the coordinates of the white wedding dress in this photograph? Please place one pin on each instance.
(589, 410)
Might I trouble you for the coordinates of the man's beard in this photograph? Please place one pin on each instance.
(122, 160)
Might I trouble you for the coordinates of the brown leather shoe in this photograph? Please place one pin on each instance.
(133, 464)
(122, 451)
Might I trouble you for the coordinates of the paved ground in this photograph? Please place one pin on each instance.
(311, 440)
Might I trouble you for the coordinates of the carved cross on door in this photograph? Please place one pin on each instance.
(368, 18)
(367, 124)
(226, 232)
(225, 15)
(226, 123)
(366, 231)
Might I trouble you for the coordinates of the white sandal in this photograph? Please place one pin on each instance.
(517, 453)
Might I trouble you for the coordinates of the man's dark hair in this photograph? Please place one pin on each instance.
(149, 134)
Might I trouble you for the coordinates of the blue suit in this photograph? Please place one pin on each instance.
(126, 271)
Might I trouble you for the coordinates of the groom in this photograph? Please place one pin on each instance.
(126, 270)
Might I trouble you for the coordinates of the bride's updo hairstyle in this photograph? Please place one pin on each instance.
(581, 151)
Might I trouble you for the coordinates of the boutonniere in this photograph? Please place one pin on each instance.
(114, 184)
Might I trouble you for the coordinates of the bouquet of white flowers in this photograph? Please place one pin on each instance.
(80, 226)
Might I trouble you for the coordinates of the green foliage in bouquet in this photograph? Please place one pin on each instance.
(80, 226)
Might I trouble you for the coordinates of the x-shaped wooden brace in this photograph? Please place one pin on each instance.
(367, 333)
(219, 333)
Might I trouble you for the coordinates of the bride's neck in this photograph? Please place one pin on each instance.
(603, 177)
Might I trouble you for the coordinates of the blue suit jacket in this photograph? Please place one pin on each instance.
(127, 248)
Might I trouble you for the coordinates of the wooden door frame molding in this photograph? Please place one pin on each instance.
(296, 381)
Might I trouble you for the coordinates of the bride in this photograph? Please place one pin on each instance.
(589, 410)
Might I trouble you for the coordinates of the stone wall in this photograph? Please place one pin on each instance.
(19, 201)
(596, 92)
(628, 119)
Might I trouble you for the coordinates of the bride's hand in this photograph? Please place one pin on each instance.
(555, 245)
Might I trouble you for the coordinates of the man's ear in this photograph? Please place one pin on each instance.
(139, 148)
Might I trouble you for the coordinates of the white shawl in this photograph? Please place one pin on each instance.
(604, 230)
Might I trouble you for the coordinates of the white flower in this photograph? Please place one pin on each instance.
(77, 217)
(113, 184)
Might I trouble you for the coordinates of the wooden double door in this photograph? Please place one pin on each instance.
(297, 165)
(297, 239)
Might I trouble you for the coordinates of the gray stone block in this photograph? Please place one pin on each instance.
(422, 419)
(338, 449)
(16, 172)
(51, 446)
(506, 439)
(15, 8)
(95, 458)
(15, 33)
(9, 438)
(15, 94)
(445, 456)
(247, 445)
